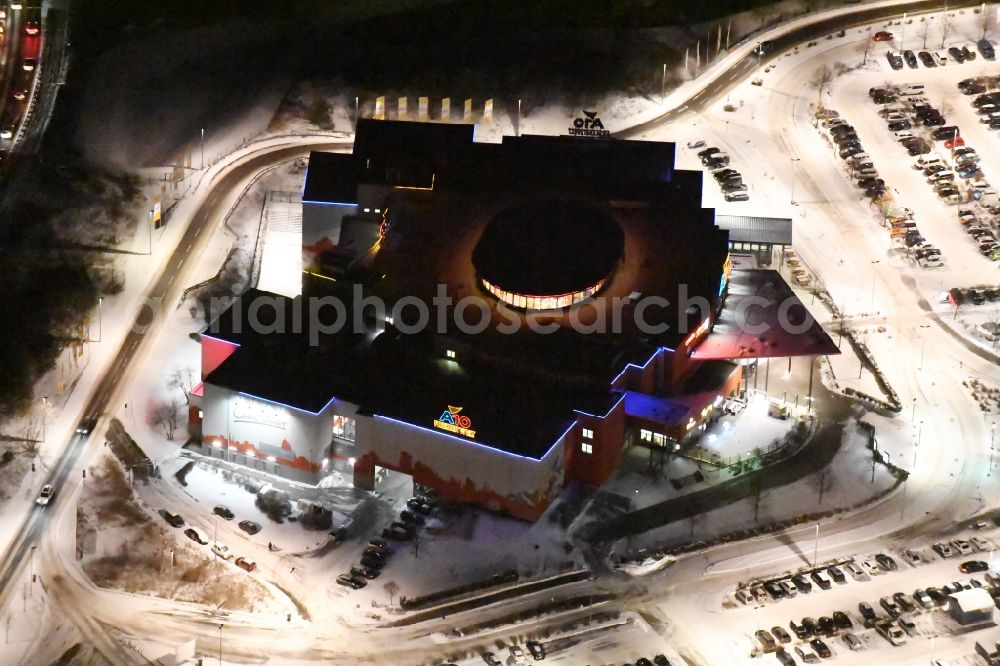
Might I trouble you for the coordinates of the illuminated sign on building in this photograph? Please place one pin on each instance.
(727, 268)
(452, 421)
(253, 411)
(702, 327)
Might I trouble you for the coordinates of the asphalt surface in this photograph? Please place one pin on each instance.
(814, 31)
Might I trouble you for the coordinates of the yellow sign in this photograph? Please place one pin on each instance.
(452, 421)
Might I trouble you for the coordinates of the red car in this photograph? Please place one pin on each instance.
(31, 29)
(955, 142)
(882, 36)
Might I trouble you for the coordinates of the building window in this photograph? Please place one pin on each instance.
(588, 433)
(587, 448)
(368, 210)
(659, 440)
(645, 435)
(450, 353)
(343, 427)
(201, 414)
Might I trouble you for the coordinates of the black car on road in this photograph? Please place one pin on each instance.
(173, 519)
(250, 527)
(223, 512)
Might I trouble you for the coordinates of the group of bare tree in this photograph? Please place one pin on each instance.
(167, 414)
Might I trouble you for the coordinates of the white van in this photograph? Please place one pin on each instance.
(912, 90)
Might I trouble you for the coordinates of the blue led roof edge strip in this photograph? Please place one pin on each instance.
(298, 409)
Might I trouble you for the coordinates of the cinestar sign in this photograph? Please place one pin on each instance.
(589, 125)
(259, 413)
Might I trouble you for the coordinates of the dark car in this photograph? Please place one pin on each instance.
(900, 125)
(173, 519)
(780, 634)
(702, 154)
(865, 183)
(884, 98)
(890, 607)
(825, 626)
(372, 560)
(927, 59)
(775, 590)
(904, 602)
(642, 661)
(894, 60)
(842, 620)
(986, 49)
(968, 53)
(347, 580)
(939, 597)
(785, 658)
(956, 54)
(193, 534)
(365, 572)
(987, 98)
(223, 512)
(766, 640)
(974, 88)
(397, 533)
(944, 133)
(837, 575)
(886, 562)
(801, 631)
(721, 174)
(250, 527)
(412, 517)
(810, 625)
(802, 583)
(934, 121)
(490, 659)
(845, 138)
(910, 58)
(821, 648)
(918, 148)
(974, 566)
(868, 614)
(420, 505)
(538, 652)
(851, 150)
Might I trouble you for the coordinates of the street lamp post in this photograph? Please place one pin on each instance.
(149, 226)
(100, 302)
(663, 84)
(816, 547)
(202, 147)
(220, 644)
(45, 404)
(794, 173)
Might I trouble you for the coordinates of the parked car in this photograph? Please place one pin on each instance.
(173, 519)
(194, 535)
(766, 640)
(347, 580)
(250, 527)
(822, 579)
(882, 36)
(221, 550)
(397, 533)
(517, 654)
(245, 564)
(365, 572)
(412, 517)
(837, 575)
(986, 49)
(890, 606)
(927, 59)
(842, 620)
(223, 512)
(853, 642)
(490, 659)
(737, 196)
(961, 545)
(774, 589)
(886, 562)
(801, 632)
(856, 572)
(910, 58)
(924, 599)
(821, 648)
(895, 61)
(890, 632)
(905, 604)
(780, 634)
(538, 652)
(868, 614)
(973, 566)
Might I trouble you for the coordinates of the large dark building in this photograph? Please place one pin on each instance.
(587, 277)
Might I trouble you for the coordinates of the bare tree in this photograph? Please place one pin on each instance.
(30, 437)
(945, 27)
(761, 13)
(166, 416)
(757, 487)
(927, 26)
(182, 379)
(821, 481)
(821, 79)
(391, 588)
